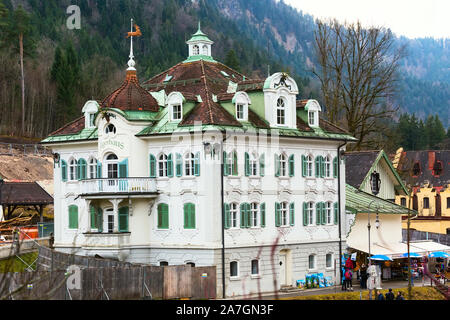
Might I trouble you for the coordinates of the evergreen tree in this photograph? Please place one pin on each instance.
(435, 132)
(3, 21)
(232, 61)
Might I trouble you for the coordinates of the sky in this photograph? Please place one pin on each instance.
(409, 18)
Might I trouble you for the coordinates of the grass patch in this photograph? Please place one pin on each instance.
(13, 264)
(418, 293)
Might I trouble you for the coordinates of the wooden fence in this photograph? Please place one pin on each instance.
(107, 279)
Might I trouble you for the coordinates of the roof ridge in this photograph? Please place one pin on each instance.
(206, 91)
(65, 126)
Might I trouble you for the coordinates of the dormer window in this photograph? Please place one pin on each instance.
(240, 111)
(241, 101)
(176, 112)
(281, 111)
(91, 120)
(416, 169)
(312, 118)
(437, 168)
(90, 109)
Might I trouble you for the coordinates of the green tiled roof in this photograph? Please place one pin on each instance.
(199, 57)
(85, 134)
(359, 201)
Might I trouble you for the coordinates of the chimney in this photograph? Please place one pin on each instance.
(431, 159)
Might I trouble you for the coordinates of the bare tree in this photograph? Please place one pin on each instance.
(358, 75)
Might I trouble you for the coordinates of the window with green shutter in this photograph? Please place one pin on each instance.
(225, 164)
(152, 166)
(178, 165)
(99, 169)
(263, 214)
(235, 164)
(277, 165)
(63, 170)
(318, 213)
(227, 216)
(163, 216)
(304, 167)
(305, 213)
(73, 217)
(262, 165)
(99, 219)
(243, 220)
(292, 214)
(197, 164)
(335, 167)
(169, 166)
(323, 212)
(317, 167)
(189, 216)
(123, 219)
(94, 217)
(291, 165)
(247, 164)
(277, 214)
(322, 166)
(336, 213)
(82, 169)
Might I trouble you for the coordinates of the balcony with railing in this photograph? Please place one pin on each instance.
(118, 186)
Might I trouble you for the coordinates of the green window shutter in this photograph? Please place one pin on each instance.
(225, 164)
(277, 214)
(243, 208)
(248, 216)
(99, 169)
(322, 167)
(324, 212)
(262, 209)
(169, 166)
(304, 166)
(262, 165)
(317, 161)
(63, 170)
(189, 216)
(152, 166)
(292, 214)
(123, 169)
(163, 216)
(247, 164)
(197, 164)
(291, 165)
(277, 165)
(123, 219)
(318, 214)
(73, 217)
(100, 220)
(235, 164)
(227, 222)
(336, 213)
(335, 167)
(178, 165)
(83, 169)
(93, 212)
(305, 215)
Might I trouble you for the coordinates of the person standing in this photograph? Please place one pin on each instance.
(363, 277)
(400, 296)
(390, 295)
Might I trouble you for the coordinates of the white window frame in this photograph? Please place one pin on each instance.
(162, 165)
(93, 162)
(283, 160)
(195, 50)
(205, 50)
(313, 256)
(329, 212)
(234, 216)
(284, 214)
(237, 269)
(281, 107)
(112, 166)
(310, 213)
(254, 165)
(176, 115)
(331, 261)
(327, 164)
(189, 164)
(257, 266)
(240, 114)
(309, 166)
(254, 215)
(73, 163)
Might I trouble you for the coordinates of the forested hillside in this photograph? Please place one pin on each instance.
(63, 68)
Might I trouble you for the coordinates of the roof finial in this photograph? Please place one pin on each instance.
(199, 25)
(137, 33)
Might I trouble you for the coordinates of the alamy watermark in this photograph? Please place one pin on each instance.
(74, 279)
(74, 20)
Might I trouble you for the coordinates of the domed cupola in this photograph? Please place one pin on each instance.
(199, 47)
(130, 95)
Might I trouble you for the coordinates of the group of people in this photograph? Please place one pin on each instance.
(348, 275)
(390, 296)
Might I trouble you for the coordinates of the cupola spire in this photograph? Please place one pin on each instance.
(199, 46)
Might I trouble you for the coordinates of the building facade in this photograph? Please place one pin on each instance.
(202, 165)
(428, 176)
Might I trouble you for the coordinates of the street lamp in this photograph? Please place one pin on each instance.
(375, 183)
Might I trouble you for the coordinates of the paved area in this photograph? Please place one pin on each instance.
(395, 284)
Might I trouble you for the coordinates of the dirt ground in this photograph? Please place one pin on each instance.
(26, 168)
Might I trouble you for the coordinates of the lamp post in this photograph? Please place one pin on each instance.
(375, 184)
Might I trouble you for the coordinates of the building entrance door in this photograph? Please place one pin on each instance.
(108, 222)
(282, 274)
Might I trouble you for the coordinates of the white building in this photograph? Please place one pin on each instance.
(139, 176)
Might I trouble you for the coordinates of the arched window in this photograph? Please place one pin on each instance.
(284, 217)
(92, 168)
(205, 50)
(195, 50)
(162, 165)
(112, 165)
(189, 164)
(281, 111)
(73, 169)
(190, 264)
(163, 263)
(234, 269)
(311, 261)
(110, 128)
(253, 164)
(327, 165)
(283, 165)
